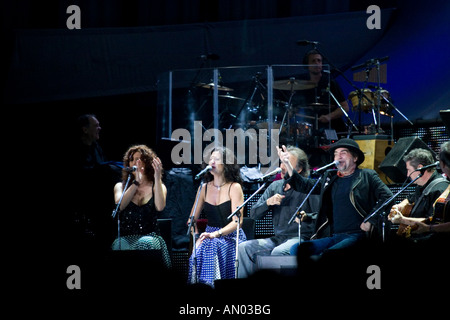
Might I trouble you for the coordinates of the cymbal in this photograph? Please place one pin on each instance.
(280, 102)
(211, 86)
(229, 97)
(293, 85)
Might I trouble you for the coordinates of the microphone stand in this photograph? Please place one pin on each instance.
(288, 107)
(392, 105)
(363, 95)
(191, 226)
(386, 203)
(349, 121)
(301, 205)
(116, 210)
(238, 215)
(249, 100)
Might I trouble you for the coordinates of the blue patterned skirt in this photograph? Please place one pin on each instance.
(215, 258)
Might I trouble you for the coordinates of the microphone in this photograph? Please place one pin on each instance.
(422, 170)
(209, 56)
(130, 169)
(369, 63)
(334, 163)
(201, 173)
(306, 42)
(267, 175)
(307, 216)
(375, 60)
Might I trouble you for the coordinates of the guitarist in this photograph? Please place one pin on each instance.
(418, 207)
(441, 215)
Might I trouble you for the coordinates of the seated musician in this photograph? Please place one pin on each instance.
(440, 222)
(347, 197)
(283, 201)
(419, 206)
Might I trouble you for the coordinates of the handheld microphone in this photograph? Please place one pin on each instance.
(334, 163)
(267, 175)
(130, 169)
(422, 170)
(201, 173)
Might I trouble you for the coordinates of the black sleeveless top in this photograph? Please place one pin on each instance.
(217, 214)
(139, 220)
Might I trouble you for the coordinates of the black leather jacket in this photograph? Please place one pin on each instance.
(367, 193)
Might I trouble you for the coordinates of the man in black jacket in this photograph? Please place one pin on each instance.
(348, 196)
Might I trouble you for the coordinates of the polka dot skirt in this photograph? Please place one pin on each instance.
(215, 258)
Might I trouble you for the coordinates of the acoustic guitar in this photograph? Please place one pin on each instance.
(441, 212)
(403, 230)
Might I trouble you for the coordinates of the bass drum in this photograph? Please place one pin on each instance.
(264, 124)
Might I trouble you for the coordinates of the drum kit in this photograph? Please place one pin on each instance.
(297, 125)
(297, 121)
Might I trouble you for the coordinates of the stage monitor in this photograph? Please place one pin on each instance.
(445, 116)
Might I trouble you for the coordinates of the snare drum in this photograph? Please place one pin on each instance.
(366, 105)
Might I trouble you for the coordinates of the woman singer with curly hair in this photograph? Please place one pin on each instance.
(143, 199)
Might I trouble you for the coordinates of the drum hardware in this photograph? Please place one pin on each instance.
(253, 108)
(228, 96)
(317, 105)
(211, 86)
(279, 103)
(294, 85)
(390, 106)
(349, 123)
(248, 102)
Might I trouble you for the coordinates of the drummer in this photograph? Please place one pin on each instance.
(315, 101)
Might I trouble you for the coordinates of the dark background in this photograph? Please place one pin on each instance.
(111, 66)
